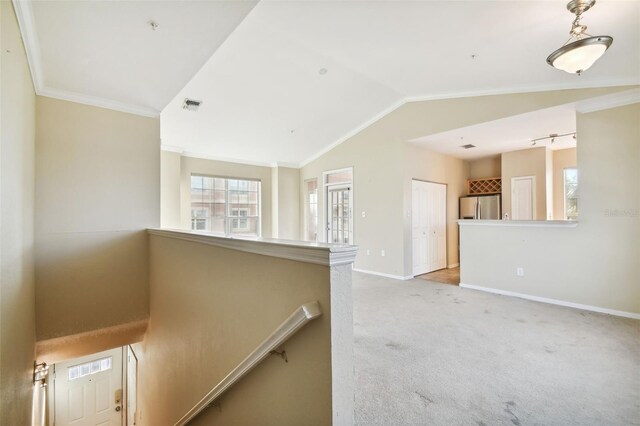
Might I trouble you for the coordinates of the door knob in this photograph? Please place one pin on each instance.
(118, 408)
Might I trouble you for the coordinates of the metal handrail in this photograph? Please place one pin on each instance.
(288, 328)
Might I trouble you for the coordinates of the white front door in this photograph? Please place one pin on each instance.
(339, 214)
(523, 190)
(429, 226)
(88, 390)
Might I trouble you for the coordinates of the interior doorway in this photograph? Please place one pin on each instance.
(429, 226)
(523, 200)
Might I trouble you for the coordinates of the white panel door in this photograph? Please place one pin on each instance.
(437, 226)
(429, 226)
(523, 191)
(88, 390)
(419, 227)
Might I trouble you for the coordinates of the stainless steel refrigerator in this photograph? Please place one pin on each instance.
(480, 207)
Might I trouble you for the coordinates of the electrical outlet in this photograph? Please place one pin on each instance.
(382, 253)
(364, 214)
(368, 252)
(520, 272)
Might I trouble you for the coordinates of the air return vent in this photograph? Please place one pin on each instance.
(191, 104)
(467, 146)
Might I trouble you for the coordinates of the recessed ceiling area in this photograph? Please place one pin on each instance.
(283, 81)
(266, 80)
(507, 134)
(107, 53)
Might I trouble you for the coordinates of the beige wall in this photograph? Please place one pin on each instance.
(433, 167)
(17, 299)
(228, 308)
(97, 190)
(526, 162)
(378, 157)
(595, 263)
(192, 165)
(170, 189)
(487, 167)
(288, 193)
(562, 159)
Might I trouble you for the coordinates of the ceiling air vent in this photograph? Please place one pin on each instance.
(191, 104)
(467, 146)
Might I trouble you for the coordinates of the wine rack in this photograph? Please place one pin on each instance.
(484, 186)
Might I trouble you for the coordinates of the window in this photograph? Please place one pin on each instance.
(312, 209)
(571, 194)
(226, 206)
(88, 368)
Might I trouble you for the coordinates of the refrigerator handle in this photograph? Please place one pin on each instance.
(477, 209)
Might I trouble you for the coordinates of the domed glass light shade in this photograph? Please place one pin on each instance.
(580, 54)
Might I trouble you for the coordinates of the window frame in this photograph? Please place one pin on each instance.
(229, 218)
(310, 219)
(564, 193)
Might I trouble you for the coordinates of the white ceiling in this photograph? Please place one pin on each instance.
(105, 53)
(264, 99)
(507, 134)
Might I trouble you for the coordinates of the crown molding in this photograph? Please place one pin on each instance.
(354, 131)
(26, 23)
(202, 156)
(477, 93)
(98, 102)
(613, 100)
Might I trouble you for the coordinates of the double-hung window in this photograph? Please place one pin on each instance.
(224, 205)
(571, 194)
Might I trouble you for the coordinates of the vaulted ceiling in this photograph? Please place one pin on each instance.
(284, 80)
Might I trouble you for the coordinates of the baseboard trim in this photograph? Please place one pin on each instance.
(382, 274)
(553, 301)
(453, 265)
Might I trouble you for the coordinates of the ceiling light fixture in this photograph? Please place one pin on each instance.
(553, 137)
(577, 56)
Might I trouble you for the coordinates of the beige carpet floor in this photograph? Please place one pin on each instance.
(435, 354)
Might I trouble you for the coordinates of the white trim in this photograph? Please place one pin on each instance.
(301, 251)
(24, 15)
(382, 274)
(613, 100)
(26, 23)
(453, 265)
(474, 93)
(521, 223)
(299, 318)
(553, 301)
(202, 156)
(98, 102)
